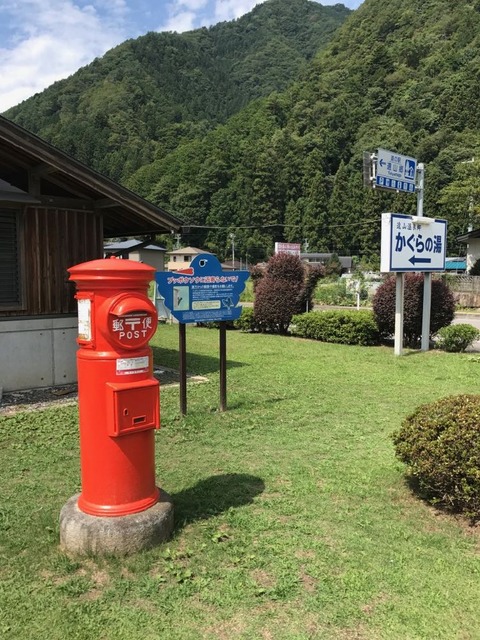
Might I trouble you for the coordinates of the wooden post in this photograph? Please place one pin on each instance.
(182, 348)
(223, 366)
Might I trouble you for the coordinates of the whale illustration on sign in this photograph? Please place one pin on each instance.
(202, 292)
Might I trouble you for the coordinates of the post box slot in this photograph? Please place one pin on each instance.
(133, 406)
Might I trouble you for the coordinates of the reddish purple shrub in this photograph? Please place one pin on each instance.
(285, 290)
(442, 310)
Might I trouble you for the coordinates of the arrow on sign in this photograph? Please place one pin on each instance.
(382, 162)
(415, 260)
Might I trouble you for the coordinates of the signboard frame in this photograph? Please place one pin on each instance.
(420, 233)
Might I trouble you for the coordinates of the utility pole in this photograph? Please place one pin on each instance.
(232, 238)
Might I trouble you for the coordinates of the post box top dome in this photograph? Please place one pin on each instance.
(112, 268)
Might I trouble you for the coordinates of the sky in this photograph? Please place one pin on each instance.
(42, 41)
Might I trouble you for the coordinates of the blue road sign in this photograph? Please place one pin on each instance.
(203, 292)
(395, 171)
(412, 244)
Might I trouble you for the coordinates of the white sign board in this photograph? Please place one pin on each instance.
(395, 171)
(84, 319)
(287, 247)
(410, 243)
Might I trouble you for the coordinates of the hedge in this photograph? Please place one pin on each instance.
(339, 326)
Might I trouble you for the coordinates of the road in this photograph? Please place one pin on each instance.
(468, 318)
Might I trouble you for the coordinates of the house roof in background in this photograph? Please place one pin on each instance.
(455, 265)
(132, 244)
(346, 261)
(124, 213)
(187, 250)
(467, 236)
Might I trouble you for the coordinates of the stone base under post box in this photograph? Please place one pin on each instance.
(83, 534)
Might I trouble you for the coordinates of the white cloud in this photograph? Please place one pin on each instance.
(231, 9)
(180, 22)
(193, 5)
(51, 40)
(183, 15)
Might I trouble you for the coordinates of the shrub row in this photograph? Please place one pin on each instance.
(344, 327)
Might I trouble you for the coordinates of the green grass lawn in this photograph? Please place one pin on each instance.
(293, 519)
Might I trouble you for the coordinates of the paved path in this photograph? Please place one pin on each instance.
(468, 318)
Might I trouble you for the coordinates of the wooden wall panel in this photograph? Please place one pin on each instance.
(56, 239)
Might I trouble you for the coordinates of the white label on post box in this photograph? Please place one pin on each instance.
(127, 366)
(85, 319)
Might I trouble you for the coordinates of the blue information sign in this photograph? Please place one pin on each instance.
(203, 292)
(395, 171)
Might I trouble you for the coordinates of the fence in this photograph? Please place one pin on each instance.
(466, 289)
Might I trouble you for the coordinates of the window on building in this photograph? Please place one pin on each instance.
(174, 258)
(11, 291)
(186, 258)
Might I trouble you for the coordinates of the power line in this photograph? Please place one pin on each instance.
(285, 226)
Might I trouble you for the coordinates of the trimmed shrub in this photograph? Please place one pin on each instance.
(442, 309)
(457, 337)
(440, 443)
(276, 301)
(285, 266)
(285, 289)
(246, 322)
(343, 327)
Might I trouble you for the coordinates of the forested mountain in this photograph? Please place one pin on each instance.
(148, 95)
(400, 75)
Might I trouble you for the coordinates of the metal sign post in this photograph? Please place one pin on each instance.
(399, 294)
(427, 276)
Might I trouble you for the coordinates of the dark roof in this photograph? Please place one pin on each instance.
(132, 244)
(124, 212)
(471, 234)
(346, 261)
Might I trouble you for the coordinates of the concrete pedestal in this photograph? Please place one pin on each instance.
(83, 534)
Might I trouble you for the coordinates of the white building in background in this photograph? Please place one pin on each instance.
(181, 258)
(150, 253)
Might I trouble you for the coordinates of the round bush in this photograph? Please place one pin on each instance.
(440, 442)
(457, 337)
(442, 309)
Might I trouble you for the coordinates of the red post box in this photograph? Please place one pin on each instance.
(117, 394)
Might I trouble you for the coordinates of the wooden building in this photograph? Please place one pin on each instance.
(55, 212)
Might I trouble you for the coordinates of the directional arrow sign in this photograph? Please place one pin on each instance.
(415, 260)
(410, 243)
(395, 171)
